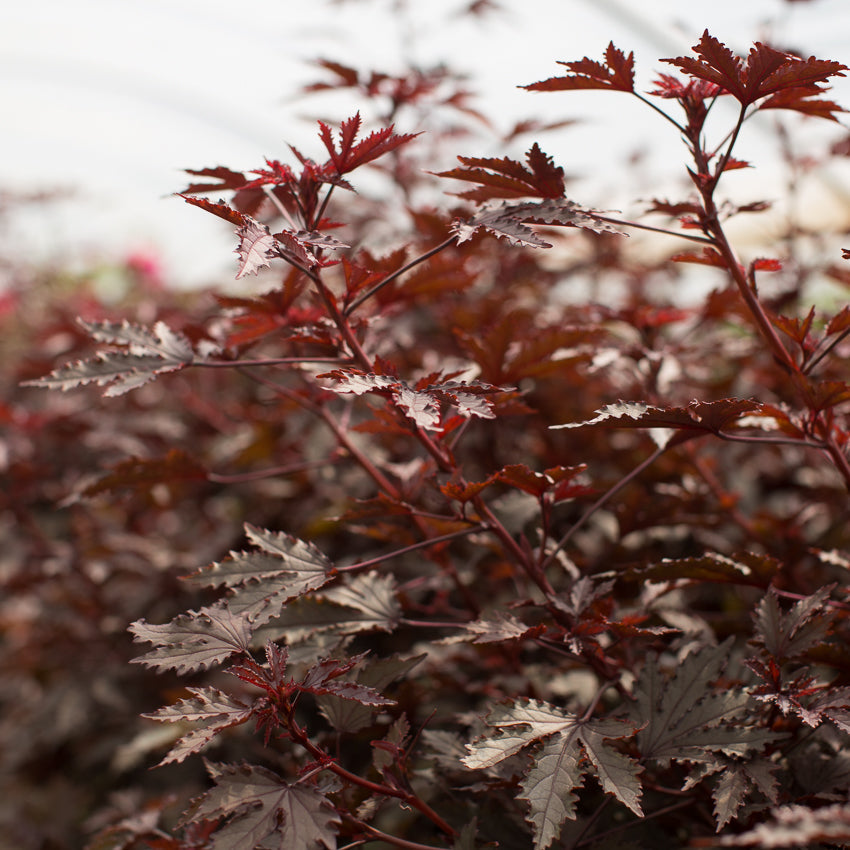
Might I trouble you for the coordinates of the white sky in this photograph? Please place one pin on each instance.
(115, 98)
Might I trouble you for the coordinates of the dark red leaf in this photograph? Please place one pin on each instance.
(225, 179)
(221, 209)
(707, 257)
(765, 72)
(617, 73)
(507, 178)
(797, 329)
(349, 155)
(804, 99)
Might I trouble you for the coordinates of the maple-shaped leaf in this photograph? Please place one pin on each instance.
(789, 634)
(616, 73)
(358, 382)
(801, 695)
(193, 641)
(765, 72)
(684, 718)
(257, 246)
(736, 779)
(262, 581)
(832, 704)
(277, 174)
(260, 810)
(681, 423)
(796, 328)
(510, 221)
(507, 178)
(147, 352)
(821, 395)
(348, 155)
(279, 553)
(469, 397)
(558, 768)
(160, 340)
(214, 708)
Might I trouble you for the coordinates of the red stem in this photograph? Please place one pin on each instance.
(412, 548)
(406, 797)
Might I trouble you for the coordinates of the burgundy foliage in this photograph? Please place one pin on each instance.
(415, 547)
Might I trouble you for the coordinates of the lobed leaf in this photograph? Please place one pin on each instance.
(617, 73)
(206, 704)
(766, 71)
(193, 641)
(510, 220)
(348, 155)
(149, 352)
(558, 768)
(789, 634)
(259, 809)
(507, 178)
(683, 715)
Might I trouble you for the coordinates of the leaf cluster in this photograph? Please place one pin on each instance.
(424, 551)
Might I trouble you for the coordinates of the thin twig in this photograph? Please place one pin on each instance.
(675, 233)
(422, 544)
(666, 810)
(818, 356)
(602, 500)
(269, 193)
(391, 277)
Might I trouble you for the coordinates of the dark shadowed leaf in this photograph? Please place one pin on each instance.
(687, 719)
(571, 744)
(260, 810)
(347, 715)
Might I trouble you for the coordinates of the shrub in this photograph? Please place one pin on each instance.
(473, 560)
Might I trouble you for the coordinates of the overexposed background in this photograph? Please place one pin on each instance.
(110, 100)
